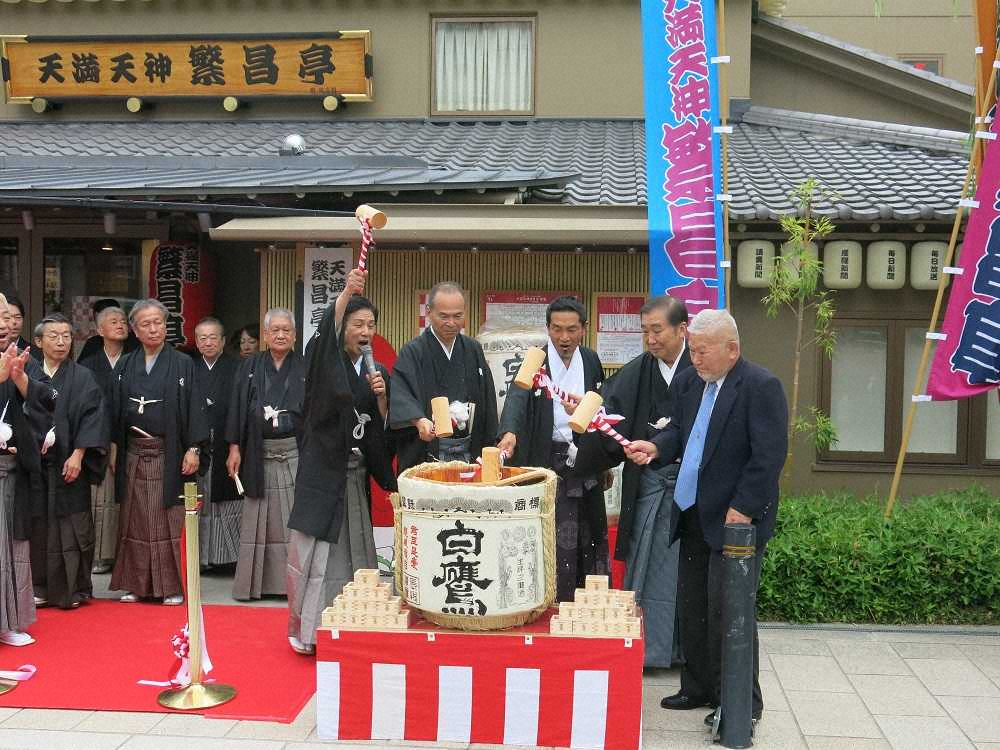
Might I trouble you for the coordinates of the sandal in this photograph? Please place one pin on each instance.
(129, 598)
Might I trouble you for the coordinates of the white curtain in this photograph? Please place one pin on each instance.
(857, 398)
(483, 66)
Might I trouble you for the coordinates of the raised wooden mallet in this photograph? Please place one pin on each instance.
(530, 365)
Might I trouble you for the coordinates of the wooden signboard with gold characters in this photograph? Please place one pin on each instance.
(336, 63)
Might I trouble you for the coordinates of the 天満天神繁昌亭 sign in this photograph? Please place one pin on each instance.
(333, 63)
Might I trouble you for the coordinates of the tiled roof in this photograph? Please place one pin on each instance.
(878, 170)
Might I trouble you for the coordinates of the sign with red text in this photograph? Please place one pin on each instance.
(617, 331)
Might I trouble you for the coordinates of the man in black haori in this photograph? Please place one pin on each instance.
(263, 429)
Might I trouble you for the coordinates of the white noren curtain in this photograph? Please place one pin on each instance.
(483, 66)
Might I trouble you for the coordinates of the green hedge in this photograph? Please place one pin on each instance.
(833, 559)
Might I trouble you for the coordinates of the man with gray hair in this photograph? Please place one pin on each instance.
(105, 364)
(161, 433)
(730, 430)
(442, 361)
(263, 429)
(74, 450)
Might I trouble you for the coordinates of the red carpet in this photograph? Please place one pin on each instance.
(92, 659)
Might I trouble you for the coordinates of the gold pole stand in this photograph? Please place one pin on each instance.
(197, 694)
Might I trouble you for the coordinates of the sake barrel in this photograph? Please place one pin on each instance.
(473, 555)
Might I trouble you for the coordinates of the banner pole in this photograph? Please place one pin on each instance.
(723, 73)
(983, 104)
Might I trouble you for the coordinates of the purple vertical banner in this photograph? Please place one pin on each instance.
(683, 162)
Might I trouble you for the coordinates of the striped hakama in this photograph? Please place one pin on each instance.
(62, 550)
(105, 511)
(17, 601)
(219, 525)
(317, 570)
(148, 561)
(260, 569)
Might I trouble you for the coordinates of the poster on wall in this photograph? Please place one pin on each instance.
(616, 330)
(325, 276)
(182, 277)
(517, 309)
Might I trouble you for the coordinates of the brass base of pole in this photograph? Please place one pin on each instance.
(7, 685)
(196, 695)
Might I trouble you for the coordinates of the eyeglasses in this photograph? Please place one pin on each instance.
(58, 336)
(209, 337)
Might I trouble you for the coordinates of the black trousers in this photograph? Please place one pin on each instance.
(699, 591)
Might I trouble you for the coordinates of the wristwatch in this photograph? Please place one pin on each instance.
(196, 449)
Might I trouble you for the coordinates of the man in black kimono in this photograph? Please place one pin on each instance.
(74, 455)
(222, 511)
(263, 428)
(640, 391)
(534, 431)
(331, 533)
(19, 463)
(112, 325)
(161, 433)
(442, 362)
(93, 345)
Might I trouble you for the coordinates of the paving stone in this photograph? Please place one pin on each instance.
(868, 658)
(45, 718)
(953, 677)
(815, 673)
(796, 646)
(927, 650)
(895, 695)
(774, 696)
(923, 733)
(832, 714)
(979, 718)
(181, 725)
(122, 722)
(164, 742)
(779, 730)
(846, 743)
(41, 739)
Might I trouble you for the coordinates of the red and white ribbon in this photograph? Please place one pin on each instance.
(543, 381)
(22, 673)
(367, 244)
(602, 422)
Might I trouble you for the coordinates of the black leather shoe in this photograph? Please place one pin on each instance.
(681, 702)
(710, 719)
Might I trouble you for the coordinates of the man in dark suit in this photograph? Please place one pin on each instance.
(730, 428)
(534, 431)
(641, 392)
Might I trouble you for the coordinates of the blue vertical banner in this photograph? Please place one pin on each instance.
(683, 154)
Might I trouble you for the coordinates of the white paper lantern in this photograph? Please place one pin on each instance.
(926, 259)
(886, 264)
(754, 263)
(842, 264)
(812, 249)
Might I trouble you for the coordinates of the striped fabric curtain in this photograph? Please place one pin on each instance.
(483, 66)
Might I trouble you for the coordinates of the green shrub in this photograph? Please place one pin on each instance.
(833, 559)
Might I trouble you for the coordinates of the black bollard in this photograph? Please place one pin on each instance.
(738, 619)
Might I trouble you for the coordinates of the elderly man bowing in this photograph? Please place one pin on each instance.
(730, 430)
(264, 426)
(160, 430)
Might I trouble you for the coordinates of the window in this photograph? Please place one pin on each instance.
(931, 63)
(483, 66)
(867, 389)
(9, 281)
(79, 271)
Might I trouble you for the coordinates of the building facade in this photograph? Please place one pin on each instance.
(532, 180)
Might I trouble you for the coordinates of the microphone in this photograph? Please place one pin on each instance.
(369, 357)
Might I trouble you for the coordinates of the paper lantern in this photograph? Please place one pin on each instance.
(182, 277)
(886, 264)
(812, 249)
(842, 264)
(754, 263)
(926, 259)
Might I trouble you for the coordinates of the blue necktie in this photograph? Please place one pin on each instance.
(686, 489)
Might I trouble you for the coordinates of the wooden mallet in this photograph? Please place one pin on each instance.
(441, 416)
(492, 465)
(530, 365)
(586, 410)
(375, 218)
